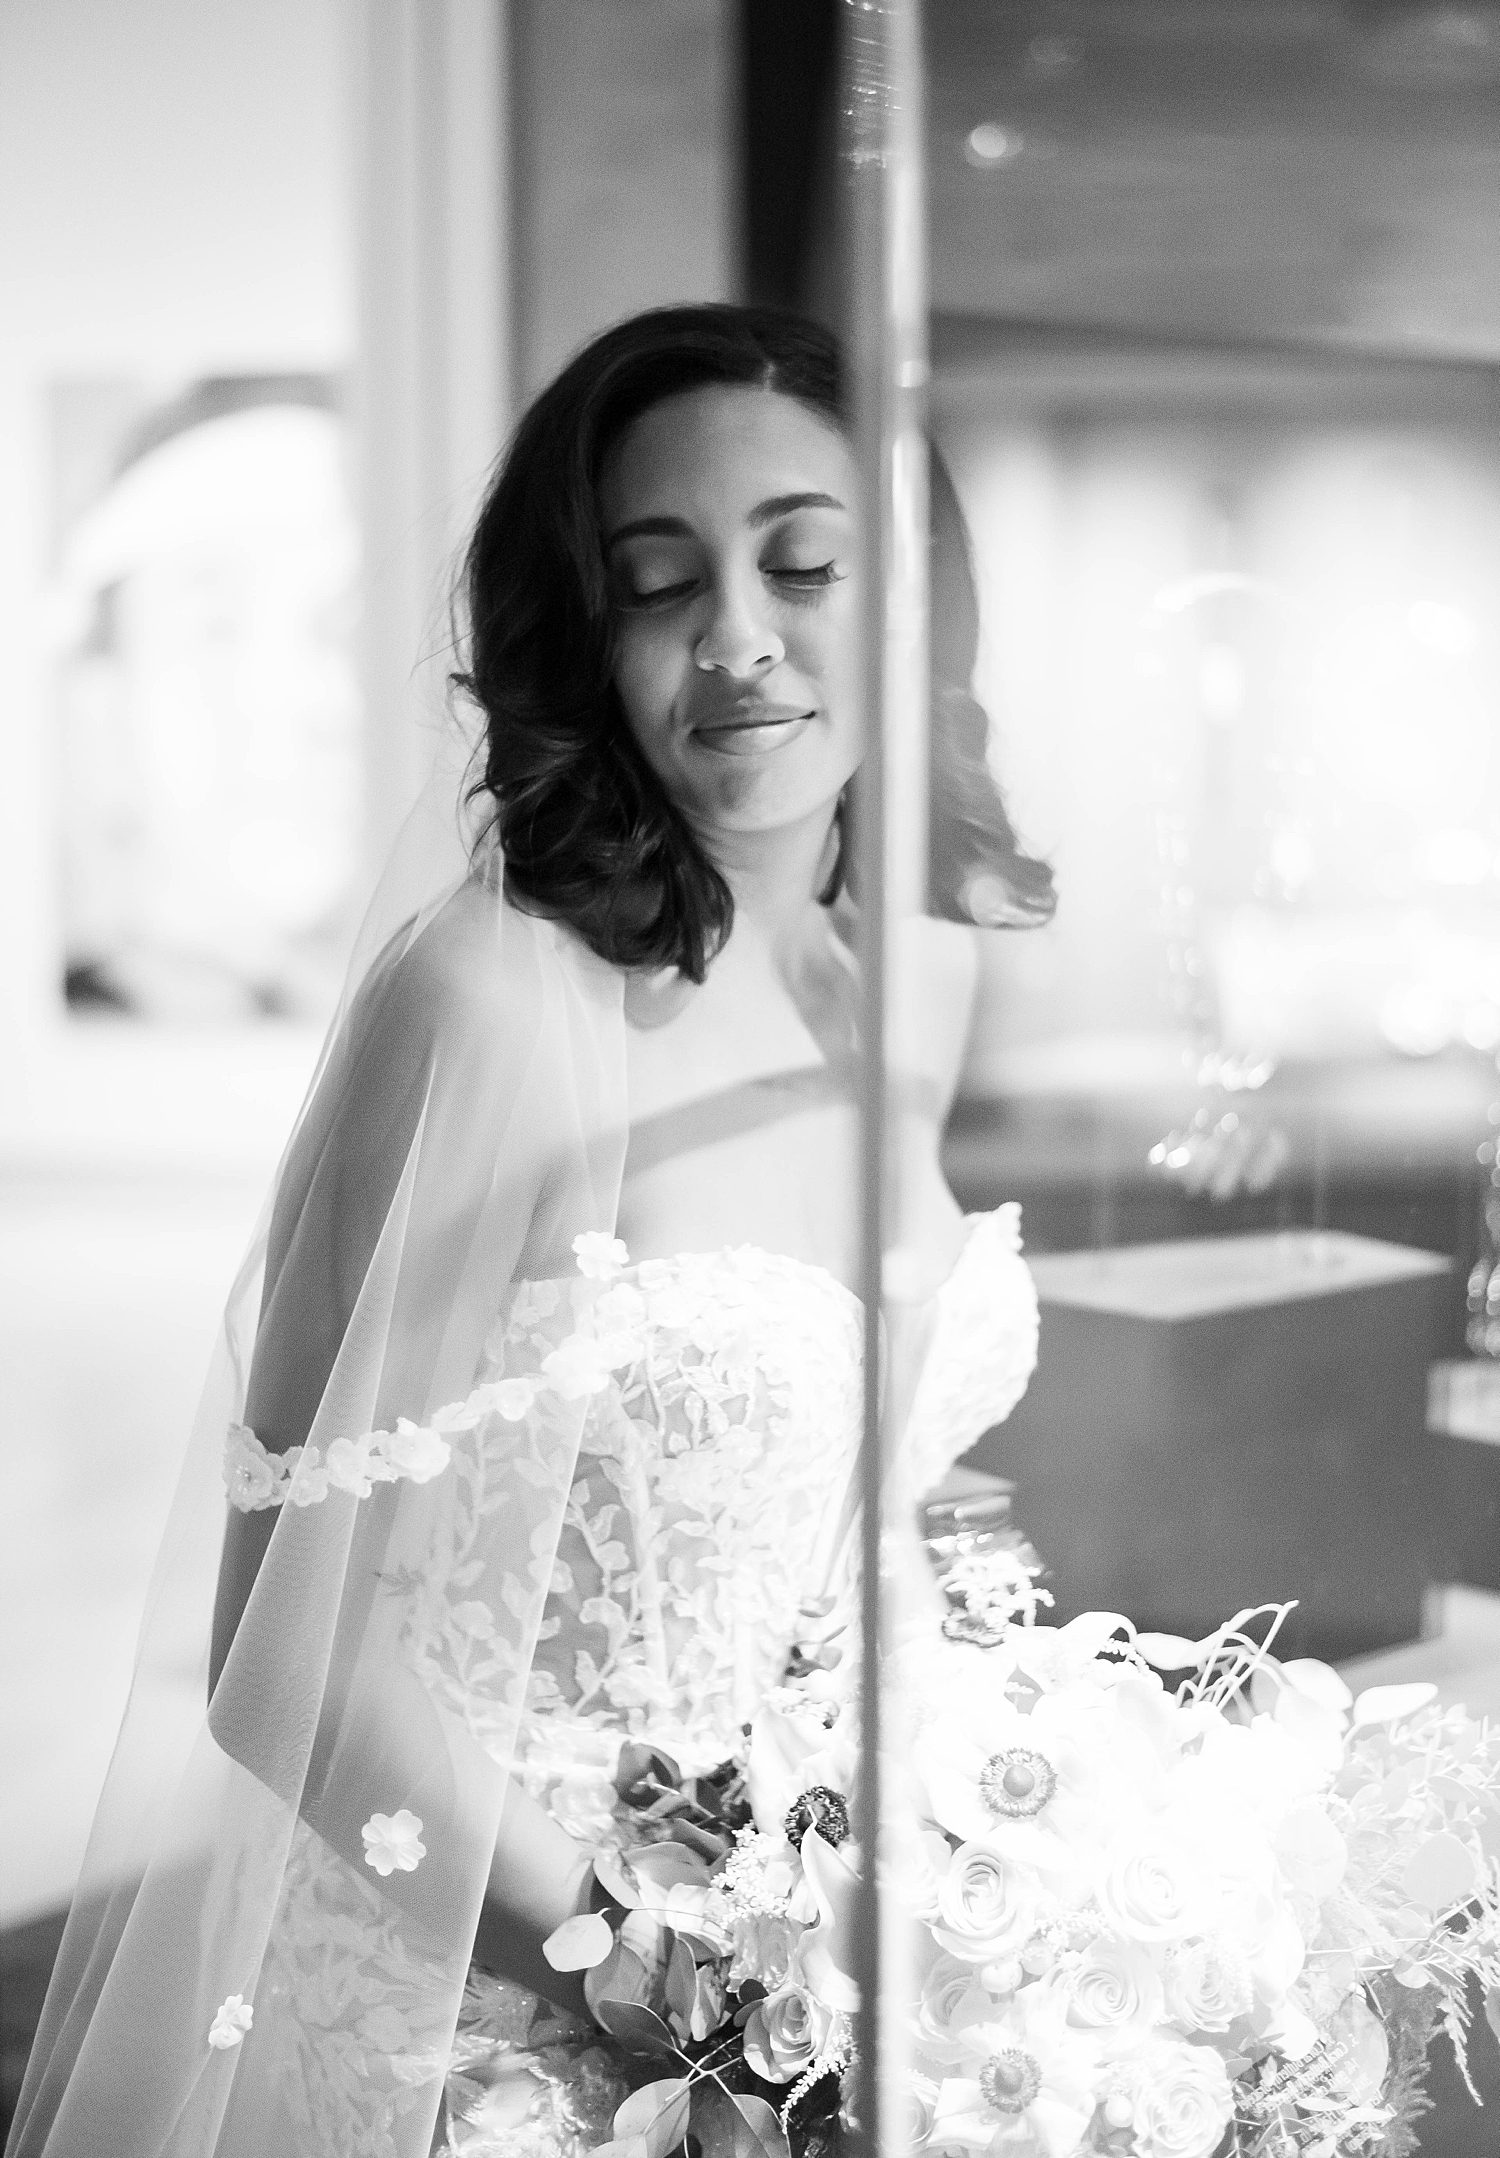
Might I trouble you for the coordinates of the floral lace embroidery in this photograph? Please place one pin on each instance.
(706, 1410)
(707, 1481)
(581, 1365)
(693, 1422)
(689, 1423)
(709, 1470)
(356, 2012)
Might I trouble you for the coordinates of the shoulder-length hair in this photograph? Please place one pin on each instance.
(588, 833)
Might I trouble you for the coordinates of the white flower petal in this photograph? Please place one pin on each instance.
(232, 2018)
(393, 1842)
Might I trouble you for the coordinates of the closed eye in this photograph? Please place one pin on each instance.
(661, 595)
(820, 574)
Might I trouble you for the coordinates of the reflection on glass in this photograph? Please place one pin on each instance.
(206, 705)
(1215, 336)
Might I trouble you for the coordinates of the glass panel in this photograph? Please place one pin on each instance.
(1226, 452)
(1214, 332)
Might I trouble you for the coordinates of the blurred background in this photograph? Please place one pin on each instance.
(1216, 339)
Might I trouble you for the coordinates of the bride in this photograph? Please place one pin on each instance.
(539, 1395)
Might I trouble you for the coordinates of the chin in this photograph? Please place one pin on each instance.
(766, 808)
(768, 796)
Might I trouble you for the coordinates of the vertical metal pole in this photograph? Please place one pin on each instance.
(886, 320)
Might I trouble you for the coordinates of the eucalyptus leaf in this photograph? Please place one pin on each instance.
(615, 1875)
(622, 1976)
(732, 2126)
(652, 1942)
(669, 1865)
(681, 1988)
(708, 2002)
(1440, 1872)
(658, 2114)
(762, 2124)
(639, 2030)
(579, 1943)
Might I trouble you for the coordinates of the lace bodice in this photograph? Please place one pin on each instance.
(694, 1424)
(709, 1497)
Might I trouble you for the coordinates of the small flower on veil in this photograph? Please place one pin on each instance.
(249, 1472)
(232, 2018)
(309, 1484)
(510, 1398)
(417, 1452)
(351, 1466)
(600, 1256)
(578, 1367)
(393, 1842)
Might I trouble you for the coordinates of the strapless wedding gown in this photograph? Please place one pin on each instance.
(708, 1509)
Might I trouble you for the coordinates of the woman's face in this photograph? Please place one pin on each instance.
(729, 537)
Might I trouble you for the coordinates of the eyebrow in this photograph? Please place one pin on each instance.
(764, 513)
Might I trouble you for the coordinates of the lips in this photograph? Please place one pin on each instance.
(749, 730)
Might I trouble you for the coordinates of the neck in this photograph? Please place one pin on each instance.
(775, 876)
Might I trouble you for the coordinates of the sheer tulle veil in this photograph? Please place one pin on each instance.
(264, 1955)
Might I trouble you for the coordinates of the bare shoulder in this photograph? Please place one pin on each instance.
(469, 973)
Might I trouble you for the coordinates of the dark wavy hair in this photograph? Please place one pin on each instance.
(588, 832)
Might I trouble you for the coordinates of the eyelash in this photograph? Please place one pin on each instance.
(804, 580)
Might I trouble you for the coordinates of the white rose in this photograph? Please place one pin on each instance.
(785, 2033)
(987, 1904)
(1115, 1984)
(1181, 2101)
(952, 1998)
(1150, 1891)
(918, 2112)
(1207, 1985)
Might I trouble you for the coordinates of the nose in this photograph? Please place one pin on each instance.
(738, 638)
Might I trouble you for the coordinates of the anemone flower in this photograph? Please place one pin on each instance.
(800, 1774)
(1030, 2085)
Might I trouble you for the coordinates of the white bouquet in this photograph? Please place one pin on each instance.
(1167, 1924)
(1224, 1917)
